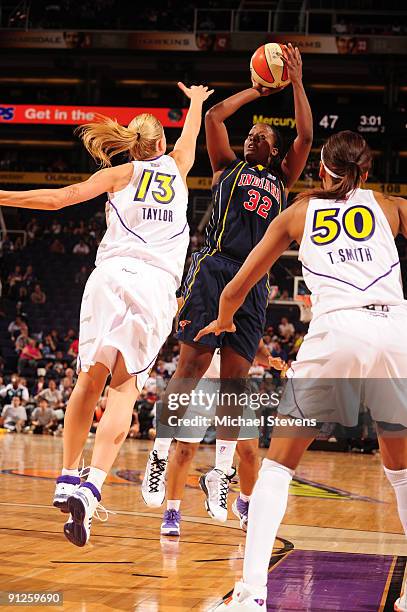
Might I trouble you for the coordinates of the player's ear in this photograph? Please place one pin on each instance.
(321, 172)
(364, 176)
(274, 151)
(161, 144)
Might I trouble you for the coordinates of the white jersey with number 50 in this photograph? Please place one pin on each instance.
(147, 219)
(348, 254)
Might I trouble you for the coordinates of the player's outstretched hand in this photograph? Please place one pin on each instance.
(196, 92)
(215, 328)
(264, 358)
(292, 57)
(277, 363)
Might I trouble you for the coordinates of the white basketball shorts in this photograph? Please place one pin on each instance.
(347, 353)
(128, 306)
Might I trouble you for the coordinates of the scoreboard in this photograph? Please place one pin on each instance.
(365, 123)
(326, 122)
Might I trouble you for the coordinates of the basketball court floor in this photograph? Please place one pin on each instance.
(340, 547)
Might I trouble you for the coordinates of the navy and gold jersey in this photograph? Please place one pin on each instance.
(245, 201)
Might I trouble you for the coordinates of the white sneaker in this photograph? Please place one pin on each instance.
(65, 487)
(153, 487)
(82, 506)
(401, 603)
(215, 485)
(245, 598)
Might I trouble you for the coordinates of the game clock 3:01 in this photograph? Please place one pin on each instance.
(364, 123)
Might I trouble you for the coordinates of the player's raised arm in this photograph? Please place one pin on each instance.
(294, 162)
(217, 139)
(104, 180)
(184, 149)
(285, 228)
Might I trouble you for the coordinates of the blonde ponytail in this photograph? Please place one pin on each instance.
(106, 138)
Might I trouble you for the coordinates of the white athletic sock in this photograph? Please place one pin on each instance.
(266, 511)
(162, 446)
(66, 472)
(225, 451)
(243, 497)
(96, 477)
(398, 480)
(173, 504)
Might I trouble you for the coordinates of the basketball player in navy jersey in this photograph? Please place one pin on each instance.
(358, 333)
(248, 194)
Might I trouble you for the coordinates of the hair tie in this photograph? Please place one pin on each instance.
(138, 135)
(326, 167)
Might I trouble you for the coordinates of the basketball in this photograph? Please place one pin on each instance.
(268, 67)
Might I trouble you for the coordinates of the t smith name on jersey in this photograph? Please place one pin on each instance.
(157, 214)
(360, 254)
(262, 183)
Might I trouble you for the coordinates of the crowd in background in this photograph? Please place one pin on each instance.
(41, 283)
(34, 399)
(170, 15)
(174, 15)
(14, 160)
(372, 25)
(34, 396)
(42, 278)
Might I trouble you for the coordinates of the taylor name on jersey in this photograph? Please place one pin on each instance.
(157, 214)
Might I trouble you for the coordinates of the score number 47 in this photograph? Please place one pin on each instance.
(329, 121)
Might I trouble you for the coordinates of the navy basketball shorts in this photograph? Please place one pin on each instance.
(204, 283)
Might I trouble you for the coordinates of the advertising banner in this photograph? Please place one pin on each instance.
(342, 44)
(45, 39)
(162, 41)
(75, 115)
(42, 178)
(314, 43)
